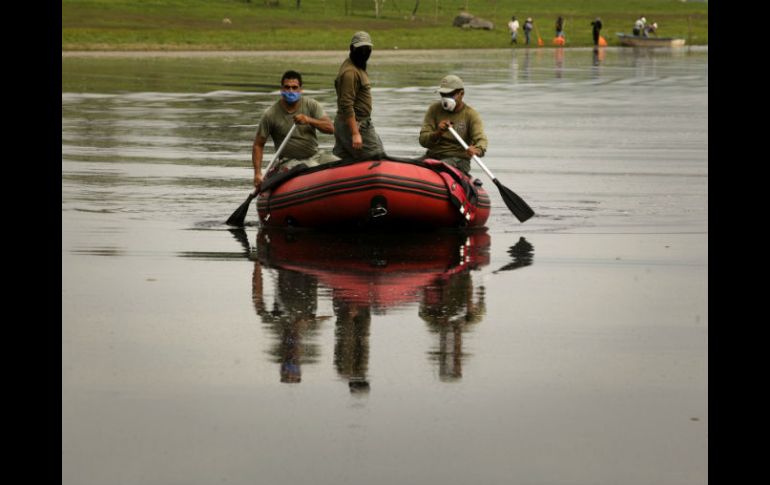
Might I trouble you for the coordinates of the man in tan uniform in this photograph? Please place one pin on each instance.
(354, 135)
(276, 121)
(451, 110)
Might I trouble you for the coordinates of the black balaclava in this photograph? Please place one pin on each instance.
(359, 55)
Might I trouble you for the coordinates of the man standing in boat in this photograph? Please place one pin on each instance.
(452, 111)
(354, 135)
(276, 121)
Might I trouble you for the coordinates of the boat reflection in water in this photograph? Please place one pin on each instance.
(367, 274)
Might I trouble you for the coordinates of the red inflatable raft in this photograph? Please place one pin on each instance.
(399, 193)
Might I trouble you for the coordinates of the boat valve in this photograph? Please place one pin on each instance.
(378, 211)
(379, 206)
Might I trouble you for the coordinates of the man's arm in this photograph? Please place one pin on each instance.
(431, 132)
(257, 151)
(323, 124)
(355, 135)
(345, 105)
(479, 142)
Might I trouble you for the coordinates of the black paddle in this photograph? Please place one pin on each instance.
(516, 204)
(238, 217)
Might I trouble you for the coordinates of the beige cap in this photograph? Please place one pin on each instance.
(361, 38)
(450, 83)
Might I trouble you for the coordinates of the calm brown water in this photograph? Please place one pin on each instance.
(570, 349)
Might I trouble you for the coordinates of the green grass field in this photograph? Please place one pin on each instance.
(329, 24)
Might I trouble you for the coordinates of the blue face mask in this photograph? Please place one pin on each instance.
(291, 97)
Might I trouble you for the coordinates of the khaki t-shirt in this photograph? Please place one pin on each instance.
(354, 92)
(466, 122)
(276, 123)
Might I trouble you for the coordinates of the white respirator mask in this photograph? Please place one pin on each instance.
(448, 103)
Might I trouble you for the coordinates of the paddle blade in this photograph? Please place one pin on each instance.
(516, 204)
(238, 217)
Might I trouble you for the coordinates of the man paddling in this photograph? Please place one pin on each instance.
(292, 108)
(452, 110)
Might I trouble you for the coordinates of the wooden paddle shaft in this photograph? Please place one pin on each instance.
(475, 158)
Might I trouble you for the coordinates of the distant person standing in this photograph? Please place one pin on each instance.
(560, 26)
(639, 25)
(559, 39)
(528, 26)
(354, 135)
(596, 30)
(513, 27)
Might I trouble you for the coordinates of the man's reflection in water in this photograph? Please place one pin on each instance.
(525, 65)
(514, 66)
(450, 305)
(292, 319)
(351, 343)
(365, 277)
(558, 58)
(598, 58)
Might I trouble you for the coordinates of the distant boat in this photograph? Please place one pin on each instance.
(638, 41)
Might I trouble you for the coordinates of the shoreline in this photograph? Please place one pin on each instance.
(321, 53)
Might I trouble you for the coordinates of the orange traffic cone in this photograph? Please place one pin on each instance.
(540, 42)
(602, 41)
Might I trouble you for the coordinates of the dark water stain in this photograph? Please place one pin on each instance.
(101, 251)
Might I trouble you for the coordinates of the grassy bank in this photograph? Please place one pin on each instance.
(328, 24)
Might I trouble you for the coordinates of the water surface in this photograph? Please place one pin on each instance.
(569, 349)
